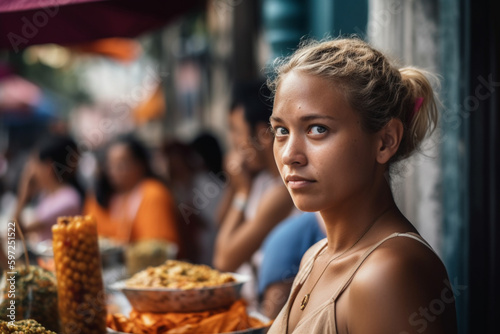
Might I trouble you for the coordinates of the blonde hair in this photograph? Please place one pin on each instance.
(374, 87)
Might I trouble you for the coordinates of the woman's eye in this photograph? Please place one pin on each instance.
(280, 131)
(317, 130)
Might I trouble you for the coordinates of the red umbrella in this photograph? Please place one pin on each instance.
(28, 22)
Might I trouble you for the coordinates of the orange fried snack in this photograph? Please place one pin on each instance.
(120, 323)
(216, 321)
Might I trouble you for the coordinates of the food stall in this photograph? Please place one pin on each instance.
(68, 291)
(174, 297)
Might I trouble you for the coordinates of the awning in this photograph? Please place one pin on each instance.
(67, 22)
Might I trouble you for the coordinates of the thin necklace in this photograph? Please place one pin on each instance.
(305, 300)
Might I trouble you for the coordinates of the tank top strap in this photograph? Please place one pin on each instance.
(304, 273)
(352, 272)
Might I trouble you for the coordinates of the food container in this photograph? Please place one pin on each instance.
(29, 293)
(259, 330)
(79, 276)
(163, 300)
(23, 326)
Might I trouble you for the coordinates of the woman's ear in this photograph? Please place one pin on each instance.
(389, 139)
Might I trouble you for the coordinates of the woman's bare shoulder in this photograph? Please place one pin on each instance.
(404, 262)
(404, 251)
(402, 286)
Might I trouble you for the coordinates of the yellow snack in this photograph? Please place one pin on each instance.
(79, 276)
(179, 275)
(23, 326)
(35, 296)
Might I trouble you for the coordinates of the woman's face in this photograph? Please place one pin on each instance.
(324, 156)
(123, 170)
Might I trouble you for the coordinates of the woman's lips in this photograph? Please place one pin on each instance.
(298, 182)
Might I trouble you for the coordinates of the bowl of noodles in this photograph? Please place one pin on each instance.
(178, 286)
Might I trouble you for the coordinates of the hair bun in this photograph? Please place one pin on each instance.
(421, 116)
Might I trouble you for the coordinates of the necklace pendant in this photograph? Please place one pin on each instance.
(305, 300)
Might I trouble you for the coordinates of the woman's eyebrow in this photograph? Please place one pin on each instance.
(275, 119)
(305, 118)
(316, 116)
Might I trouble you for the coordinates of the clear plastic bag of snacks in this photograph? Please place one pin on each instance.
(29, 294)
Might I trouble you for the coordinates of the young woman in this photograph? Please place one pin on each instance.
(49, 177)
(343, 115)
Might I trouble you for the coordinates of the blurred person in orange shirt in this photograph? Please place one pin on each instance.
(130, 203)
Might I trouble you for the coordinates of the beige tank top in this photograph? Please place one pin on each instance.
(322, 320)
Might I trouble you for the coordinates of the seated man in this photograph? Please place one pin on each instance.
(256, 198)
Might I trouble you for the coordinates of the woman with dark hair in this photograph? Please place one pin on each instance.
(130, 203)
(49, 178)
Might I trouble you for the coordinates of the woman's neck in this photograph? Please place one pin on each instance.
(346, 223)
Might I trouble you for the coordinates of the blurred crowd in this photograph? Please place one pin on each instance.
(188, 200)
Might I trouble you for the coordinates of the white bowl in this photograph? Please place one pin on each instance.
(163, 300)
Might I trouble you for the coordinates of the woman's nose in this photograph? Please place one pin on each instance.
(293, 152)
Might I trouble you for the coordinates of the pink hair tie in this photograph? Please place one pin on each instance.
(418, 104)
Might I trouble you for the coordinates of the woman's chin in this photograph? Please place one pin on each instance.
(307, 206)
